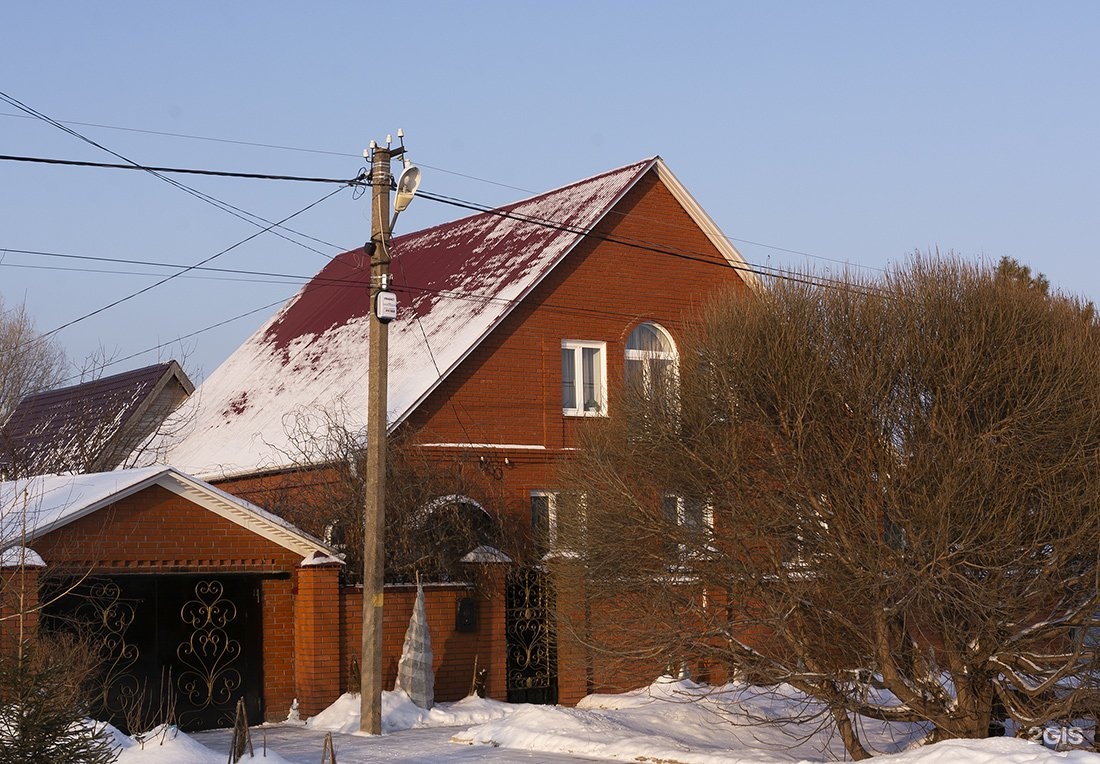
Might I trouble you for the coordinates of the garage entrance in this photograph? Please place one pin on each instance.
(180, 648)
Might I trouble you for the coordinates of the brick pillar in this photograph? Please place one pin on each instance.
(575, 658)
(492, 649)
(19, 571)
(317, 634)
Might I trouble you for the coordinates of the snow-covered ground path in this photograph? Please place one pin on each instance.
(297, 745)
(671, 721)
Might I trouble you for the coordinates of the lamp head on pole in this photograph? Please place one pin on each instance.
(407, 183)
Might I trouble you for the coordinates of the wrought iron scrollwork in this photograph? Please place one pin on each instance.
(532, 652)
(210, 677)
(107, 618)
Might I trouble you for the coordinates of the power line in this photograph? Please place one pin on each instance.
(360, 180)
(110, 272)
(181, 272)
(202, 196)
(197, 332)
(152, 264)
(762, 271)
(787, 250)
(190, 137)
(316, 279)
(756, 269)
(264, 146)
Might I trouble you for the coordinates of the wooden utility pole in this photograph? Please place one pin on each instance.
(374, 518)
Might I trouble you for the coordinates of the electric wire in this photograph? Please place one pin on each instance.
(233, 210)
(787, 250)
(267, 145)
(116, 361)
(115, 272)
(763, 271)
(756, 269)
(189, 268)
(341, 282)
(356, 181)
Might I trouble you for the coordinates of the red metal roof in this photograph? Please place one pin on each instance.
(477, 257)
(70, 428)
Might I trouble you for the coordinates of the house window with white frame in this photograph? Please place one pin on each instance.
(544, 520)
(583, 378)
(694, 521)
(650, 367)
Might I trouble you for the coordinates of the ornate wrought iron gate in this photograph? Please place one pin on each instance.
(171, 645)
(532, 664)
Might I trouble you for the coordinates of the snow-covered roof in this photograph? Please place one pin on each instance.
(455, 283)
(32, 507)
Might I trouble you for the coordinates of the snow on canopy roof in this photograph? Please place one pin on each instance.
(455, 282)
(32, 507)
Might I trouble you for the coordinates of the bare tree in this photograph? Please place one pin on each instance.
(884, 494)
(437, 511)
(28, 362)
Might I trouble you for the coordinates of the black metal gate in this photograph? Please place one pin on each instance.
(176, 648)
(532, 664)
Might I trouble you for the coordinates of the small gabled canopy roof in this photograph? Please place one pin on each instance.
(67, 429)
(455, 282)
(32, 507)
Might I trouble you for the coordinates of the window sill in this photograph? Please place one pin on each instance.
(583, 413)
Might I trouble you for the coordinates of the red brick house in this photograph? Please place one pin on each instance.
(514, 325)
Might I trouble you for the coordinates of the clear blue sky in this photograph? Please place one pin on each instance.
(853, 131)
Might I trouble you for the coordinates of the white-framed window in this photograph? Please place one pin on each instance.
(583, 378)
(695, 524)
(544, 519)
(559, 521)
(650, 358)
(687, 513)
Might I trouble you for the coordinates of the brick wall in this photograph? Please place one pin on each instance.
(453, 653)
(18, 606)
(317, 637)
(508, 391)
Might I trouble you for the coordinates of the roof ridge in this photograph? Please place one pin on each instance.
(526, 200)
(100, 380)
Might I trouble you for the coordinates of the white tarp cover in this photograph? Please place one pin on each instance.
(414, 669)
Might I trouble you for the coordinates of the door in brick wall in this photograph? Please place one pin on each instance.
(173, 648)
(532, 649)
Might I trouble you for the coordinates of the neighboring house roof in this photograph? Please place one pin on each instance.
(33, 507)
(456, 281)
(90, 426)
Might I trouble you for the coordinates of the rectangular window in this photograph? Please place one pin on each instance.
(694, 520)
(583, 375)
(544, 520)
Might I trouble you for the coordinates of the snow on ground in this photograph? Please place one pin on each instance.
(167, 745)
(670, 721)
(400, 713)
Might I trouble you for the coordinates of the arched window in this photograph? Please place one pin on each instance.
(651, 359)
